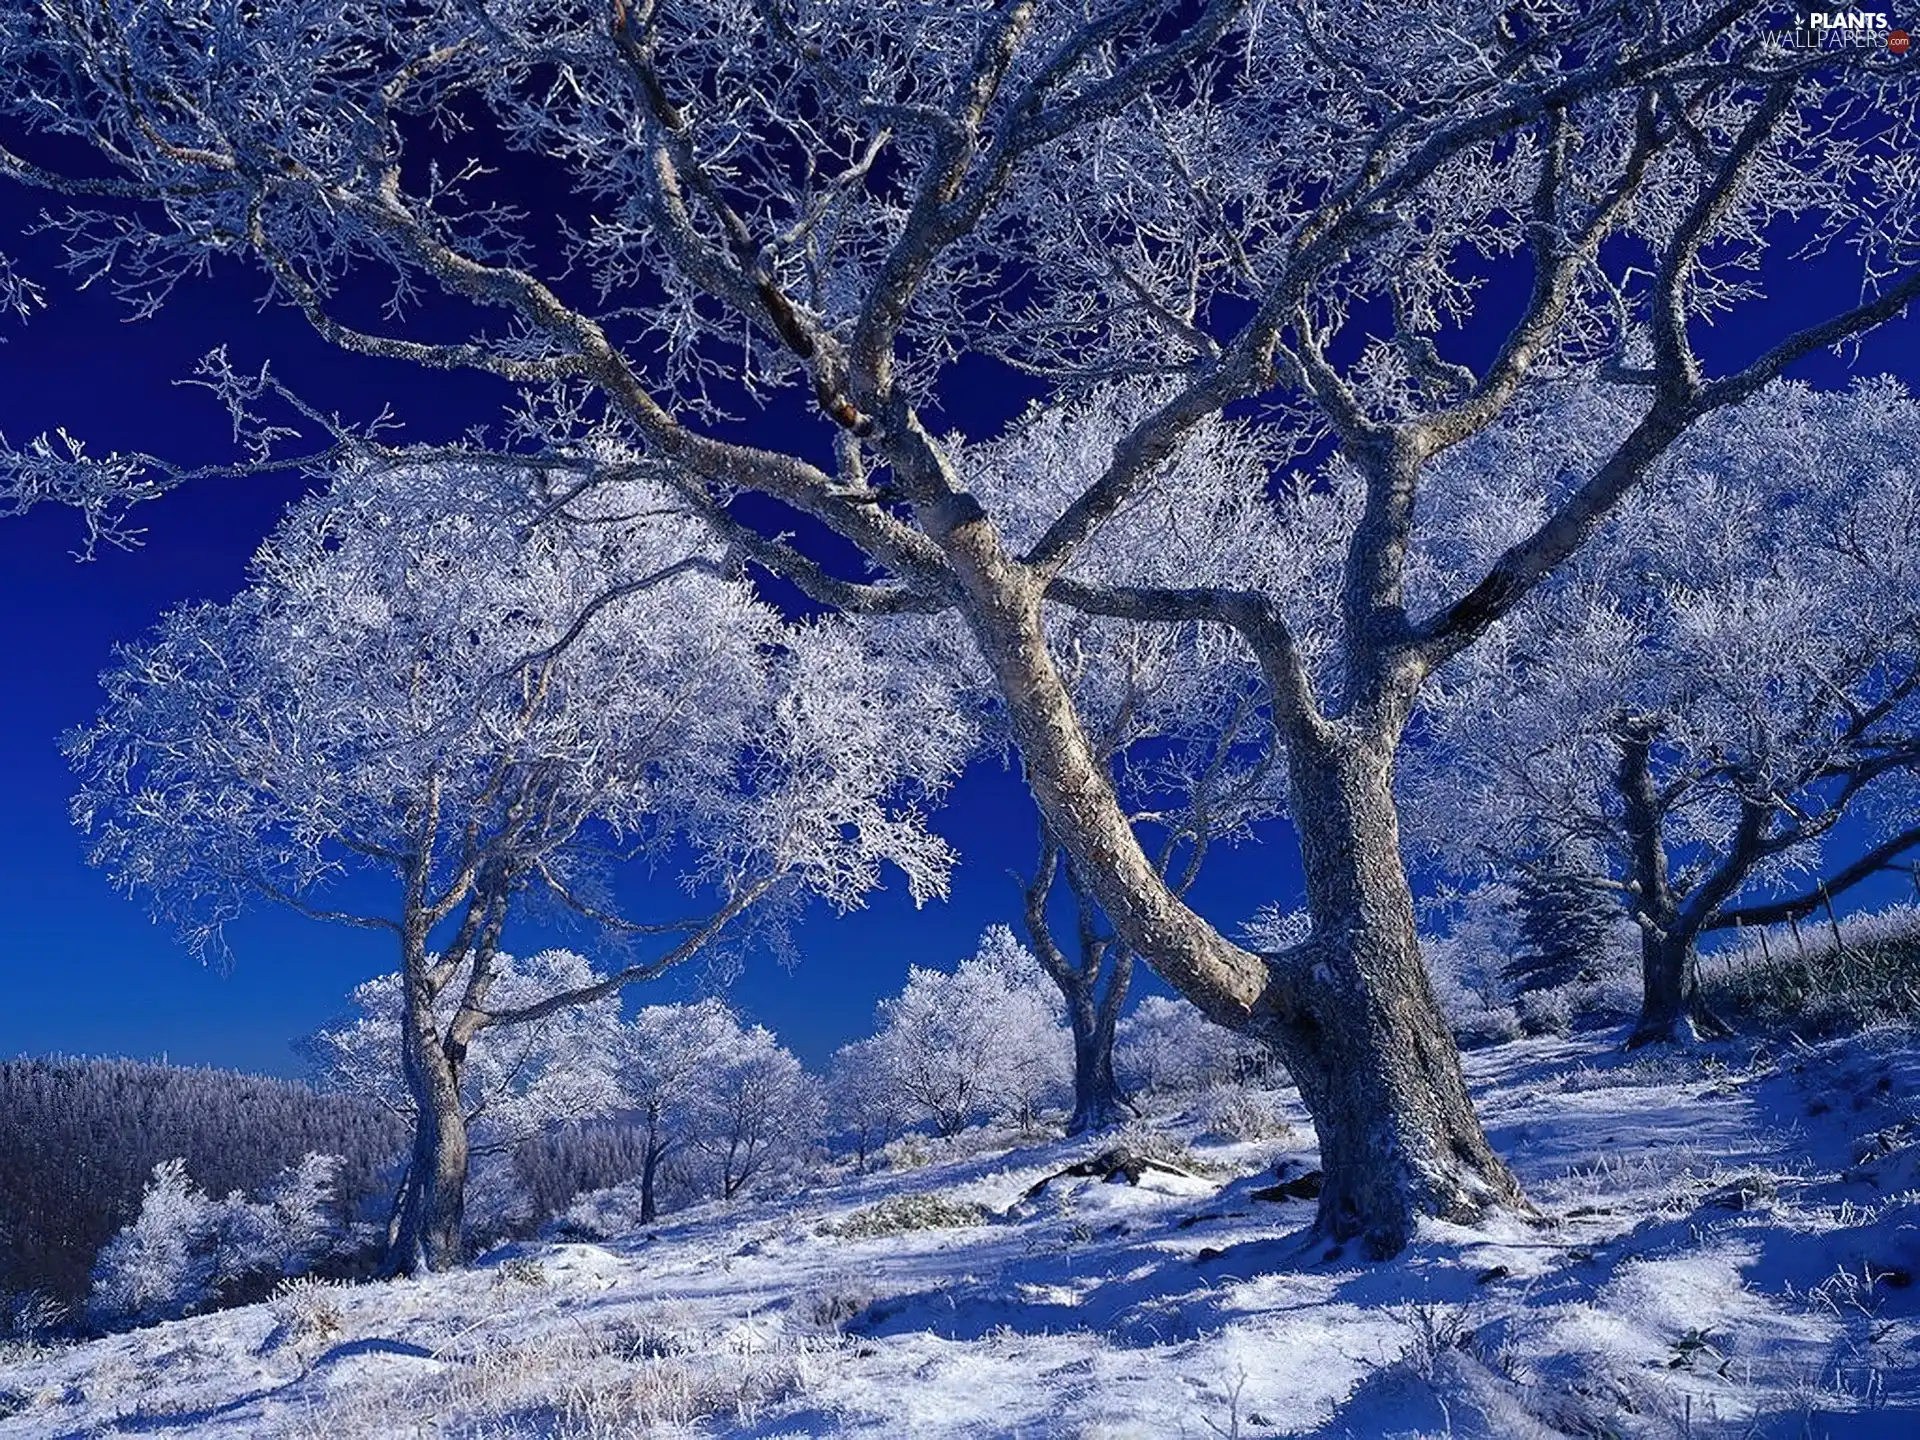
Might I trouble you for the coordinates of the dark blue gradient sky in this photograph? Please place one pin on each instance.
(83, 968)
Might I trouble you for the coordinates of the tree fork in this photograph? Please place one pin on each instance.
(1351, 1015)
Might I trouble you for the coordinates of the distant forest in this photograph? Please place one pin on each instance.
(80, 1137)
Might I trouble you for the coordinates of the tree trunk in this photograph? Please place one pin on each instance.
(433, 1206)
(650, 1170)
(1671, 1005)
(1350, 1014)
(1098, 1100)
(1365, 1039)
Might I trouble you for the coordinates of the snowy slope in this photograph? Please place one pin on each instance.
(1727, 1247)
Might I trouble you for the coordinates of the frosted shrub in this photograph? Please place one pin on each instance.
(908, 1152)
(308, 1310)
(1237, 1112)
(31, 1316)
(1546, 1012)
(186, 1251)
(162, 1265)
(900, 1213)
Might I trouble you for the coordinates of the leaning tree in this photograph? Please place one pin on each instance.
(424, 687)
(1369, 227)
(1173, 712)
(1716, 709)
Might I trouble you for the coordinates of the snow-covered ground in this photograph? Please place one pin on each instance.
(1728, 1245)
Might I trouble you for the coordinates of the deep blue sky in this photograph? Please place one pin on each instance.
(85, 971)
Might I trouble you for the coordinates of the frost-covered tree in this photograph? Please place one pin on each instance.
(1289, 212)
(480, 689)
(983, 1040)
(757, 1112)
(863, 1107)
(718, 1105)
(1730, 671)
(714, 1108)
(1173, 713)
(665, 1050)
(517, 1082)
(1167, 1048)
(162, 1265)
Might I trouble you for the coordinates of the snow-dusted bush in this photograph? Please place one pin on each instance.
(162, 1265)
(30, 1317)
(307, 1310)
(186, 1251)
(900, 1213)
(986, 1041)
(1167, 1048)
(1241, 1112)
(1546, 1012)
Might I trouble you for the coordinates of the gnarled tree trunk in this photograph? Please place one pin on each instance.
(428, 1235)
(1093, 1013)
(1361, 1031)
(1671, 1005)
(1351, 1014)
(1098, 1100)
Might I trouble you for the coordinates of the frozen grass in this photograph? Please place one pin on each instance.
(1820, 977)
(898, 1214)
(1730, 1248)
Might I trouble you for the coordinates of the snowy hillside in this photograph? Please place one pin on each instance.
(1728, 1247)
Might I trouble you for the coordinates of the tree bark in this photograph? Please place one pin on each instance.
(1098, 1100)
(650, 1170)
(1093, 1014)
(1364, 1038)
(1671, 1005)
(1351, 1014)
(433, 1207)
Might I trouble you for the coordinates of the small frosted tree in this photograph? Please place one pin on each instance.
(757, 1113)
(664, 1051)
(863, 1106)
(186, 1251)
(984, 1040)
(1167, 1049)
(162, 1265)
